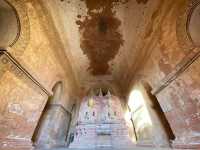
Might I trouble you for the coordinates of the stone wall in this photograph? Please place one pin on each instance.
(40, 53)
(172, 71)
(101, 124)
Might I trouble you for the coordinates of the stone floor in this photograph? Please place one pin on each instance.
(108, 149)
(135, 148)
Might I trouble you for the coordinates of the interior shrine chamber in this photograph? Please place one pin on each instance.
(99, 74)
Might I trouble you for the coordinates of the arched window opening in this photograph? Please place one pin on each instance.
(140, 115)
(149, 122)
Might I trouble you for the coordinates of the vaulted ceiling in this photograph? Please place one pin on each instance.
(102, 38)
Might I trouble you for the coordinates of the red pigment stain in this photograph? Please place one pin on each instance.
(78, 16)
(142, 1)
(100, 35)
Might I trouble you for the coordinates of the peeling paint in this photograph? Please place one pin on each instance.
(18, 137)
(32, 118)
(15, 108)
(142, 1)
(100, 35)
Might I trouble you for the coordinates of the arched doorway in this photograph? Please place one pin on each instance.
(9, 25)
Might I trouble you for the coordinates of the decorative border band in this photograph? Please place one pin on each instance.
(19, 70)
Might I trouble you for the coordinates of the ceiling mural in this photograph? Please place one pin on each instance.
(100, 36)
(103, 38)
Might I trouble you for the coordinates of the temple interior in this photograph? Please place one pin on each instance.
(99, 74)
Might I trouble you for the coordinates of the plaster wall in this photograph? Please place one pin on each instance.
(22, 102)
(169, 50)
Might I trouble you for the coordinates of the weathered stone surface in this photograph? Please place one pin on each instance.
(155, 42)
(22, 102)
(101, 125)
(54, 127)
(54, 124)
(19, 114)
(8, 14)
(183, 93)
(179, 100)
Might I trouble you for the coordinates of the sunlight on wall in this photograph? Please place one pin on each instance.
(135, 103)
(139, 114)
(127, 116)
(90, 103)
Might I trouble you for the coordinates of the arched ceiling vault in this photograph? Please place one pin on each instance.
(102, 38)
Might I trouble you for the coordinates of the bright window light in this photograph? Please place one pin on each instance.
(137, 105)
(127, 116)
(136, 100)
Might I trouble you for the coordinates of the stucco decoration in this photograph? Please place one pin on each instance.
(193, 29)
(21, 43)
(183, 22)
(9, 25)
(6, 65)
